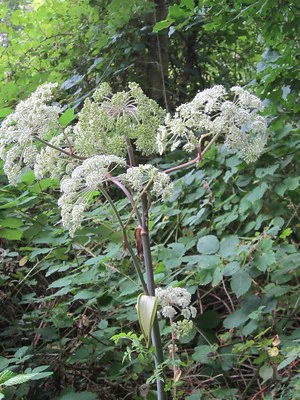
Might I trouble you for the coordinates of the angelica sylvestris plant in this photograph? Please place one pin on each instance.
(99, 152)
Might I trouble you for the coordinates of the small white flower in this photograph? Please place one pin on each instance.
(78, 189)
(168, 312)
(138, 177)
(175, 298)
(212, 112)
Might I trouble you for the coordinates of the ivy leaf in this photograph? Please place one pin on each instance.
(240, 282)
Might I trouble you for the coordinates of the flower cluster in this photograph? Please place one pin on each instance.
(172, 300)
(52, 162)
(32, 117)
(80, 187)
(212, 112)
(138, 177)
(105, 123)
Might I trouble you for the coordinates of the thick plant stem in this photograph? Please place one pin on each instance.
(125, 238)
(155, 335)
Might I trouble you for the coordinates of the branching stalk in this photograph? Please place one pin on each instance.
(125, 238)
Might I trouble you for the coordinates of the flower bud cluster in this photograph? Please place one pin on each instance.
(80, 187)
(175, 300)
(212, 112)
(183, 327)
(32, 117)
(138, 177)
(105, 123)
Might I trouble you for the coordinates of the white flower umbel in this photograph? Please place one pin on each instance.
(215, 111)
(139, 177)
(52, 162)
(81, 185)
(105, 123)
(32, 117)
(175, 300)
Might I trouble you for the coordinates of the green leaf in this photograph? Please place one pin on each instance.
(11, 222)
(4, 112)
(264, 256)
(103, 324)
(209, 319)
(85, 294)
(201, 353)
(67, 117)
(208, 244)
(6, 375)
(72, 395)
(292, 183)
(266, 372)
(4, 363)
(159, 26)
(231, 268)
(262, 172)
(257, 193)
(228, 246)
(146, 309)
(10, 234)
(21, 378)
(240, 282)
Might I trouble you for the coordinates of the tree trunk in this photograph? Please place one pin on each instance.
(158, 57)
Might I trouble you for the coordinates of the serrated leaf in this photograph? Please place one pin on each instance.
(201, 353)
(240, 282)
(22, 378)
(266, 372)
(228, 246)
(231, 268)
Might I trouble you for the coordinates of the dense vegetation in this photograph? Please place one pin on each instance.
(229, 234)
